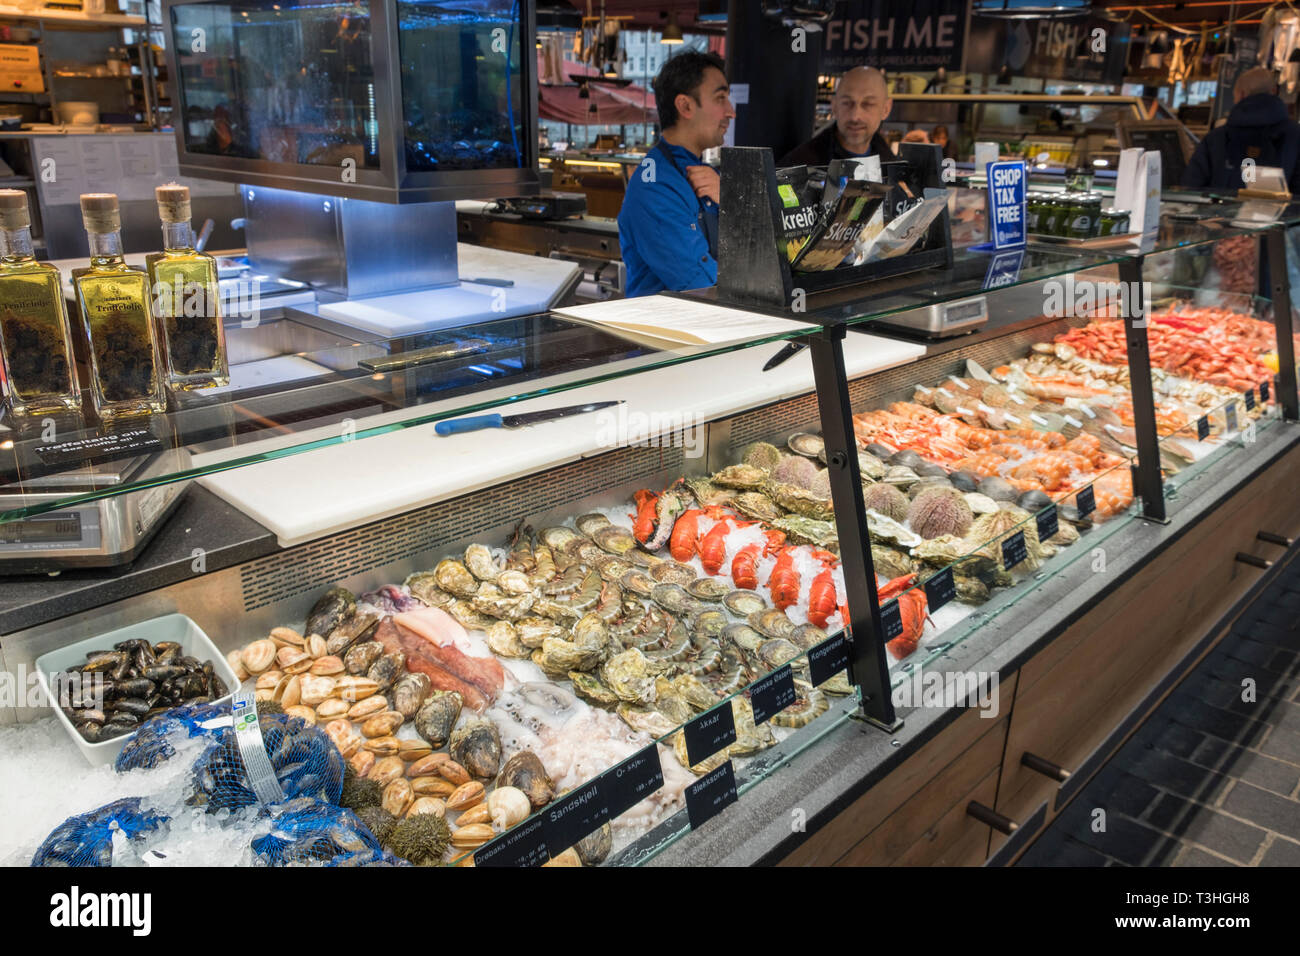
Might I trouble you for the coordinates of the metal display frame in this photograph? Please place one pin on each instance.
(392, 182)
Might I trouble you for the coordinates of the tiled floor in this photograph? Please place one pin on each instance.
(1213, 778)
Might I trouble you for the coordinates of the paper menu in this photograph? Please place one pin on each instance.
(679, 321)
(130, 164)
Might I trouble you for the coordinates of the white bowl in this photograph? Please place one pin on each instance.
(169, 627)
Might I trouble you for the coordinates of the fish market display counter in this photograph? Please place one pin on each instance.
(619, 636)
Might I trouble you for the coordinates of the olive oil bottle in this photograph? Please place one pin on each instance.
(35, 341)
(117, 320)
(186, 299)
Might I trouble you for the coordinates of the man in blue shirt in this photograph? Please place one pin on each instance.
(668, 226)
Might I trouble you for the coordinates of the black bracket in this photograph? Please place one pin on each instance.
(1148, 483)
(1274, 243)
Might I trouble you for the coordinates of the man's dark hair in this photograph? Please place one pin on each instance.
(682, 73)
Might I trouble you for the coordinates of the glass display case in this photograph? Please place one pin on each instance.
(596, 635)
(394, 101)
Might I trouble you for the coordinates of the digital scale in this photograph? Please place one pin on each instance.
(941, 319)
(96, 534)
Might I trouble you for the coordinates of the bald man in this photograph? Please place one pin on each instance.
(860, 104)
(1258, 128)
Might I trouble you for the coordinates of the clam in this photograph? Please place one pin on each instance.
(569, 857)
(293, 660)
(980, 504)
(472, 836)
(314, 690)
(964, 480)
(429, 786)
(524, 773)
(317, 647)
(287, 637)
(900, 476)
(385, 671)
(332, 708)
(360, 657)
(1032, 501)
(476, 814)
(437, 716)
(382, 724)
(427, 765)
(334, 606)
(386, 770)
(434, 805)
(410, 692)
(236, 661)
(413, 750)
(302, 712)
(363, 709)
(453, 772)
(268, 680)
(352, 630)
(928, 469)
(291, 692)
(466, 796)
(906, 458)
(352, 688)
(999, 489)
(398, 797)
(362, 762)
(327, 666)
(507, 806)
(386, 746)
(476, 745)
(256, 657)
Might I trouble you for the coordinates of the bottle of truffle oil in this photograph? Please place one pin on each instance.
(186, 299)
(35, 342)
(113, 300)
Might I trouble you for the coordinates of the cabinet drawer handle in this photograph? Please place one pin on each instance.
(1045, 767)
(1253, 560)
(1279, 539)
(992, 818)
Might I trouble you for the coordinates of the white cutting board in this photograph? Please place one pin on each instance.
(306, 496)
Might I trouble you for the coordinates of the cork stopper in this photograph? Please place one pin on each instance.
(173, 202)
(13, 210)
(99, 213)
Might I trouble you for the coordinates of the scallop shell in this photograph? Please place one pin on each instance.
(589, 524)
(744, 603)
(806, 444)
(707, 589)
(673, 572)
(638, 582)
(615, 540)
(557, 538)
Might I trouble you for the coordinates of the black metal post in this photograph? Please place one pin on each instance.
(868, 667)
(1147, 481)
(1274, 240)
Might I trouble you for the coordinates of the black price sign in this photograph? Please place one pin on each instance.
(100, 448)
(1202, 428)
(891, 620)
(1249, 397)
(1230, 413)
(710, 795)
(1085, 502)
(574, 815)
(632, 781)
(828, 658)
(709, 733)
(525, 845)
(940, 589)
(1013, 550)
(1263, 392)
(1048, 523)
(773, 694)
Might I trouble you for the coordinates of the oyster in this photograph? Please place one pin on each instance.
(471, 619)
(694, 691)
(801, 501)
(671, 597)
(360, 657)
(670, 703)
(589, 524)
(753, 504)
(989, 531)
(707, 589)
(631, 676)
(557, 657)
(558, 538)
(801, 530)
(454, 578)
(808, 636)
(387, 669)
(808, 445)
(531, 631)
(524, 771)
(772, 623)
(615, 540)
(887, 530)
(750, 737)
(743, 477)
(514, 583)
(424, 585)
(481, 564)
(891, 563)
(494, 602)
(591, 633)
(1066, 534)
(777, 651)
(647, 720)
(590, 688)
(437, 716)
(611, 568)
(708, 625)
(503, 640)
(707, 765)
(869, 466)
(333, 608)
(839, 685)
(970, 589)
(354, 629)
(744, 637)
(671, 572)
(638, 582)
(476, 746)
(744, 603)
(707, 493)
(410, 693)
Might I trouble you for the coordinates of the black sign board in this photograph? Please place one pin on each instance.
(772, 694)
(632, 781)
(574, 815)
(1085, 502)
(1263, 392)
(1048, 523)
(525, 845)
(1049, 48)
(1249, 396)
(709, 733)
(926, 35)
(891, 620)
(1013, 550)
(828, 658)
(1202, 428)
(940, 589)
(100, 448)
(710, 795)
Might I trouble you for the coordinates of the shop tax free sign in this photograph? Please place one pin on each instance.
(895, 35)
(1007, 203)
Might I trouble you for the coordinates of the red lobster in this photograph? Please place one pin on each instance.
(643, 527)
(783, 582)
(744, 566)
(912, 608)
(821, 595)
(713, 546)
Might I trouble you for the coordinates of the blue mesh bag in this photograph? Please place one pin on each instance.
(87, 839)
(368, 858)
(304, 760)
(308, 831)
(154, 742)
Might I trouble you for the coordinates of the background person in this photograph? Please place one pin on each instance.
(860, 104)
(1258, 128)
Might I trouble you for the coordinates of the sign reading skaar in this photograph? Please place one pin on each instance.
(1007, 203)
(893, 35)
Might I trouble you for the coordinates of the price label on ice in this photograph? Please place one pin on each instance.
(772, 694)
(1085, 501)
(1263, 392)
(940, 589)
(1014, 550)
(710, 795)
(1202, 428)
(1048, 523)
(891, 620)
(709, 733)
(1249, 397)
(633, 780)
(524, 845)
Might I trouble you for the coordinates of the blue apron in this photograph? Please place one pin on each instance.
(708, 222)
